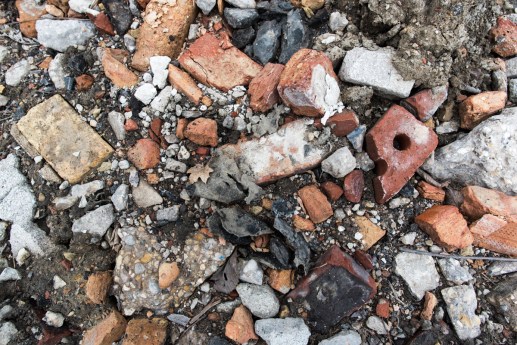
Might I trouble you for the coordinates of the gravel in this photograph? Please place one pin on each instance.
(259, 299)
(62, 34)
(288, 331)
(418, 271)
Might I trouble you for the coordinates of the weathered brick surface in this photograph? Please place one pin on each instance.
(202, 132)
(502, 240)
(28, 13)
(446, 226)
(371, 233)
(504, 36)
(354, 185)
(185, 84)
(107, 331)
(145, 331)
(145, 154)
(428, 191)
(399, 144)
(113, 63)
(263, 88)
(343, 123)
(332, 190)
(98, 285)
(316, 204)
(240, 327)
(478, 201)
(480, 107)
(216, 62)
(425, 103)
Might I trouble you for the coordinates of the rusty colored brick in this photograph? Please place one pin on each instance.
(316, 204)
(504, 36)
(425, 103)
(480, 107)
(428, 191)
(478, 201)
(502, 240)
(353, 185)
(263, 88)
(202, 132)
(332, 190)
(185, 84)
(107, 331)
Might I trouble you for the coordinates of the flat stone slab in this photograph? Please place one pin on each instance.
(66, 142)
(374, 68)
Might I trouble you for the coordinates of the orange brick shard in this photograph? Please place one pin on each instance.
(185, 84)
(316, 204)
(478, 201)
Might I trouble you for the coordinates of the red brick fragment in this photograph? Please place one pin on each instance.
(398, 144)
(353, 186)
(308, 84)
(424, 104)
(383, 308)
(364, 259)
(83, 82)
(446, 226)
(145, 331)
(498, 239)
(478, 201)
(185, 84)
(180, 128)
(202, 132)
(107, 331)
(130, 125)
(155, 132)
(480, 107)
(316, 204)
(103, 23)
(332, 190)
(29, 12)
(216, 62)
(428, 191)
(485, 226)
(145, 154)
(343, 123)
(263, 88)
(504, 36)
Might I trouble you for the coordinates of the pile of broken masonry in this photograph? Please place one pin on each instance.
(261, 172)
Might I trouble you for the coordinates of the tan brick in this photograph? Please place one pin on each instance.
(428, 191)
(98, 285)
(145, 331)
(316, 204)
(371, 232)
(240, 327)
(185, 84)
(113, 63)
(480, 107)
(202, 132)
(107, 331)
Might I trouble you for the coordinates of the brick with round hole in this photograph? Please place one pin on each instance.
(398, 144)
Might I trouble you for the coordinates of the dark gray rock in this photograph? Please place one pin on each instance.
(218, 341)
(239, 18)
(119, 14)
(512, 90)
(302, 252)
(294, 36)
(219, 187)
(267, 41)
(503, 298)
(241, 224)
(275, 6)
(206, 6)
(242, 37)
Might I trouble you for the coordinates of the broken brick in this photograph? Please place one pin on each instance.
(107, 331)
(371, 233)
(98, 285)
(343, 123)
(502, 240)
(486, 225)
(144, 331)
(504, 35)
(430, 303)
(316, 204)
(240, 327)
(145, 154)
(202, 132)
(83, 82)
(263, 88)
(446, 226)
(398, 144)
(353, 186)
(102, 23)
(281, 280)
(428, 191)
(163, 32)
(180, 128)
(130, 125)
(364, 259)
(215, 62)
(383, 308)
(303, 224)
(155, 132)
(29, 12)
(308, 84)
(332, 190)
(424, 104)
(185, 84)
(115, 69)
(480, 107)
(345, 284)
(478, 201)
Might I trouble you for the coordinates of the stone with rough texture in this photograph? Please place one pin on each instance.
(461, 306)
(185, 84)
(145, 154)
(485, 157)
(308, 84)
(343, 123)
(267, 41)
(98, 285)
(504, 35)
(239, 18)
(8, 333)
(478, 201)
(146, 196)
(334, 288)
(66, 142)
(446, 226)
(159, 66)
(206, 6)
(163, 20)
(113, 62)
(56, 71)
(495, 234)
(418, 271)
(95, 223)
(503, 298)
(340, 163)
(203, 132)
(295, 36)
(288, 331)
(252, 273)
(145, 331)
(337, 21)
(454, 272)
(15, 74)
(478, 108)
(424, 104)
(259, 299)
(316, 204)
(343, 338)
(240, 327)
(28, 12)
(107, 331)
(61, 34)
(374, 68)
(30, 237)
(145, 93)
(331, 190)
(399, 145)
(168, 272)
(216, 62)
(263, 88)
(281, 280)
(116, 121)
(353, 186)
(120, 197)
(430, 302)
(9, 274)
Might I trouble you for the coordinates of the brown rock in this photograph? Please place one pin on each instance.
(83, 82)
(45, 63)
(61, 4)
(371, 233)
(240, 327)
(504, 35)
(308, 84)
(343, 123)
(478, 201)
(28, 13)
(383, 308)
(353, 186)
(142, 3)
(313, 5)
(281, 280)
(316, 204)
(168, 272)
(165, 27)
(262, 89)
(480, 107)
(102, 23)
(114, 68)
(180, 128)
(364, 259)
(398, 144)
(107, 331)
(216, 62)
(145, 154)
(332, 190)
(155, 132)
(430, 302)
(98, 285)
(428, 191)
(303, 224)
(424, 104)
(185, 84)
(130, 125)
(54, 10)
(202, 132)
(144, 331)
(446, 226)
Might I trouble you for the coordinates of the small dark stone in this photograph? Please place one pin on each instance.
(320, 17)
(424, 338)
(227, 278)
(280, 208)
(119, 14)
(220, 187)
(69, 83)
(407, 191)
(77, 64)
(275, 6)
(215, 226)
(242, 37)
(241, 224)
(267, 41)
(294, 36)
(239, 18)
(280, 252)
(302, 252)
(218, 341)
(18, 113)
(135, 105)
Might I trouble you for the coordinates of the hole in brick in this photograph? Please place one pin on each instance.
(381, 167)
(401, 142)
